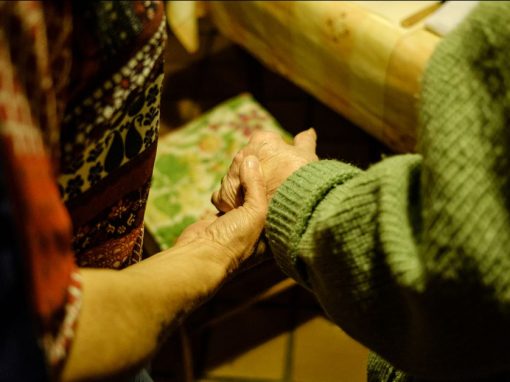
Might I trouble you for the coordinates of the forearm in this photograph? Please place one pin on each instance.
(363, 248)
(125, 314)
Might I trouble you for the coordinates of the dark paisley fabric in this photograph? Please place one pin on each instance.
(110, 128)
(79, 116)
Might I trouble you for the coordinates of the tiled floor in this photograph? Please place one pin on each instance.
(285, 338)
(305, 347)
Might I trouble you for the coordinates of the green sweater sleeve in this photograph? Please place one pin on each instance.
(412, 256)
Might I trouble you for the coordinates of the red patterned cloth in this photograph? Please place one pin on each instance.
(79, 113)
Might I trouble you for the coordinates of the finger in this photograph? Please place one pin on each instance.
(216, 200)
(306, 140)
(228, 196)
(252, 181)
(222, 200)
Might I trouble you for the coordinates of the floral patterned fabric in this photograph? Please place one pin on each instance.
(192, 160)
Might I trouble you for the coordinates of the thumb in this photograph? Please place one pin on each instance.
(306, 140)
(252, 181)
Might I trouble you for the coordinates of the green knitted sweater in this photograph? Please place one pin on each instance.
(412, 256)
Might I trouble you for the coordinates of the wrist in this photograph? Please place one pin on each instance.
(184, 275)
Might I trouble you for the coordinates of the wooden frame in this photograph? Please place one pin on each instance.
(360, 64)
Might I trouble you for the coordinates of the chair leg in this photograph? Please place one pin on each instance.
(187, 354)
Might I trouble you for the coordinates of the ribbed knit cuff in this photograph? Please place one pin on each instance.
(293, 205)
(381, 370)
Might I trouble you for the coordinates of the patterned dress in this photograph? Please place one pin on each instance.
(80, 85)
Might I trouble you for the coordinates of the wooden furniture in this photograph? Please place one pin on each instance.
(363, 59)
(353, 56)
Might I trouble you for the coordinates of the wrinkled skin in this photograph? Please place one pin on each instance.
(235, 233)
(278, 160)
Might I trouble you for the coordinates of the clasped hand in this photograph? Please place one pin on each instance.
(278, 160)
(253, 177)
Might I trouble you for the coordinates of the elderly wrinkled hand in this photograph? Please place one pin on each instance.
(277, 158)
(235, 233)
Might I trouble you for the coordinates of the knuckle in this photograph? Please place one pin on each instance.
(223, 181)
(232, 184)
(260, 136)
(238, 157)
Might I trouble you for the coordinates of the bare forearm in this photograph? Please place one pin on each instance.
(125, 314)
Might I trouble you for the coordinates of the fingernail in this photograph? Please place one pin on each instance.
(251, 162)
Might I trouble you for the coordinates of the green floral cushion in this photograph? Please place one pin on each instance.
(192, 160)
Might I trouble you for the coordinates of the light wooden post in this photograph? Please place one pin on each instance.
(355, 61)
